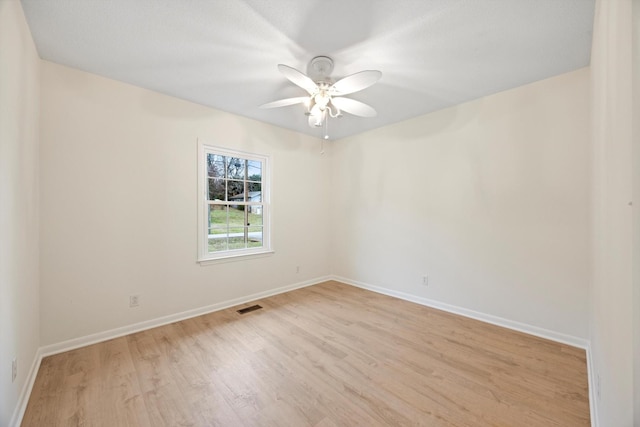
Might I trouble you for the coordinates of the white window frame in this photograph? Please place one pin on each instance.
(204, 256)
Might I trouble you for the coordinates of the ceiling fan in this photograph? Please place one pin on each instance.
(325, 97)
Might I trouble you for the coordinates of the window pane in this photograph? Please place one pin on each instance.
(236, 168)
(255, 214)
(218, 243)
(218, 216)
(255, 191)
(235, 191)
(236, 219)
(237, 243)
(218, 231)
(216, 189)
(254, 172)
(215, 165)
(255, 237)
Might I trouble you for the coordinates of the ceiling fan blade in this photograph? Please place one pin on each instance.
(355, 82)
(354, 107)
(285, 102)
(298, 78)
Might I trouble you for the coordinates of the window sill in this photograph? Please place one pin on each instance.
(235, 257)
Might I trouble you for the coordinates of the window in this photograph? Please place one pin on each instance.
(233, 203)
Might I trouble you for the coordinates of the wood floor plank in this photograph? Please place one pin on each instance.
(324, 356)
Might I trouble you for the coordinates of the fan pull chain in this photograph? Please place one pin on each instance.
(326, 135)
(326, 128)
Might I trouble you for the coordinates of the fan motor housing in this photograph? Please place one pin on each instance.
(320, 68)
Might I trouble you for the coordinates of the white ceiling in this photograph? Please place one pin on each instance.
(224, 53)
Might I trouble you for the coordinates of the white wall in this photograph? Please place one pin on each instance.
(118, 205)
(19, 302)
(490, 199)
(612, 309)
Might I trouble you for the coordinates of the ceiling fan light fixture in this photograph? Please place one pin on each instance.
(322, 99)
(316, 116)
(331, 107)
(325, 98)
(308, 105)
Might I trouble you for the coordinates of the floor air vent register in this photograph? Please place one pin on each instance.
(249, 309)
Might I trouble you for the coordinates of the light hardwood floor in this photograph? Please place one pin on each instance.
(327, 355)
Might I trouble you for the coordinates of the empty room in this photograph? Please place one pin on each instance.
(319, 213)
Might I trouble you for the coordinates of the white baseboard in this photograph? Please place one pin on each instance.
(72, 344)
(591, 376)
(18, 413)
(487, 318)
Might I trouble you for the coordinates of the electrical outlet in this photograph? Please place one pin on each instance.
(134, 300)
(297, 269)
(14, 369)
(598, 386)
(425, 280)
